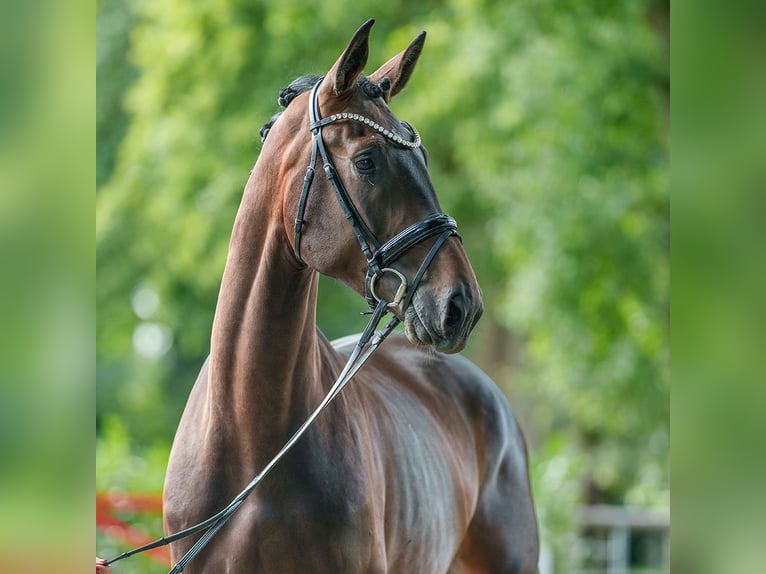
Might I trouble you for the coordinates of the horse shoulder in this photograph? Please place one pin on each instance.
(489, 450)
(502, 536)
(498, 433)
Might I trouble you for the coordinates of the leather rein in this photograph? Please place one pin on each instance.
(379, 258)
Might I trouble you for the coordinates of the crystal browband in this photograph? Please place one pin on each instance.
(394, 137)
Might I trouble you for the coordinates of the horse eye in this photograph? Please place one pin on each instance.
(364, 164)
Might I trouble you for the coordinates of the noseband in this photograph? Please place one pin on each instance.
(379, 256)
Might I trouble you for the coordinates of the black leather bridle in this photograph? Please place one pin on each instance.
(379, 256)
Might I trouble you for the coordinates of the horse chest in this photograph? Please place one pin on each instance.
(299, 525)
(321, 511)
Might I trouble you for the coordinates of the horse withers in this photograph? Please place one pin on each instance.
(419, 466)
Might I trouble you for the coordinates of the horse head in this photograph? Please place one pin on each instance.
(371, 219)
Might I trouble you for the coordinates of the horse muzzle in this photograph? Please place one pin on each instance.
(444, 320)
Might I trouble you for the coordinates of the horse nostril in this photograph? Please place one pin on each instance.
(454, 312)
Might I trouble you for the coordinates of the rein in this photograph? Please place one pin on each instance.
(378, 262)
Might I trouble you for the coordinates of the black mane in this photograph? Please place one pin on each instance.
(305, 83)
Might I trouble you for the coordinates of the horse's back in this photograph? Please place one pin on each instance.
(452, 383)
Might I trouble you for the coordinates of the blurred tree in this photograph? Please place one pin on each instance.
(545, 123)
(114, 75)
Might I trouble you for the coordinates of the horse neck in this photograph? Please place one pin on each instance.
(266, 357)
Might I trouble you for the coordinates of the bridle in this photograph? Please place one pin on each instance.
(379, 258)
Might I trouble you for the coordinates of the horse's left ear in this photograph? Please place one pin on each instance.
(346, 70)
(399, 68)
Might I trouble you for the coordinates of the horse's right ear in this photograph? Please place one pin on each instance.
(399, 68)
(346, 70)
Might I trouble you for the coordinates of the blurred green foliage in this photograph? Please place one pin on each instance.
(547, 128)
(47, 95)
(719, 282)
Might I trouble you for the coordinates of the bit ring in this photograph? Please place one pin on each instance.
(400, 291)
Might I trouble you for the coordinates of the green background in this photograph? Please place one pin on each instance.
(547, 127)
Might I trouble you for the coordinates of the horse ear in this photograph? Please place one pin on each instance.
(399, 68)
(346, 70)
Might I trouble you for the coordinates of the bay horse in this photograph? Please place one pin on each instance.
(419, 466)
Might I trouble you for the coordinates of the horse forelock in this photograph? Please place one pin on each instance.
(303, 84)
